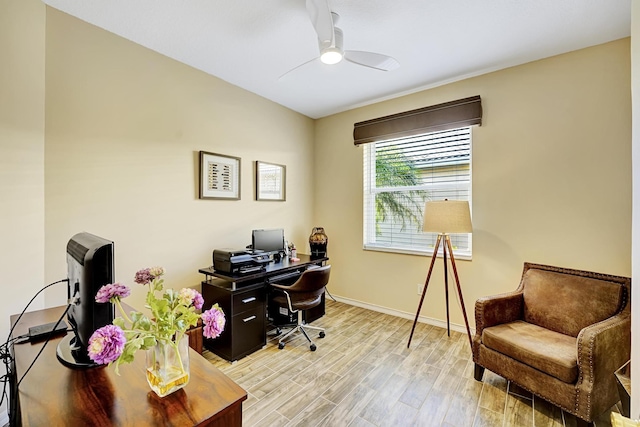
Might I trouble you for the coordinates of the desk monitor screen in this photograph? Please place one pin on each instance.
(269, 241)
(90, 266)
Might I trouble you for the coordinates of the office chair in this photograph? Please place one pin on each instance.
(304, 294)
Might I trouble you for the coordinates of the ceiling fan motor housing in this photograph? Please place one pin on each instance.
(338, 41)
(332, 53)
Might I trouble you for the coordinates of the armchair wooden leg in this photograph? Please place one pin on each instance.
(478, 372)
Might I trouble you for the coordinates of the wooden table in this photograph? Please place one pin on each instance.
(54, 395)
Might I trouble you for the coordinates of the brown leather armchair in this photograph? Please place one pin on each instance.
(561, 335)
(304, 294)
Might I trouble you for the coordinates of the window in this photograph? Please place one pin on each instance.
(400, 175)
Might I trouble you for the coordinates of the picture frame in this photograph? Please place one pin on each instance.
(219, 176)
(270, 181)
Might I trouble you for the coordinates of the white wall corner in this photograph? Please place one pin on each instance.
(635, 221)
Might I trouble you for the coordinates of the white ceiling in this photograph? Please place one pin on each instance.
(251, 43)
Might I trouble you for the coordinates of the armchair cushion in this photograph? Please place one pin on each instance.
(568, 303)
(550, 352)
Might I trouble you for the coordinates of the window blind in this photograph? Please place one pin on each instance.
(400, 175)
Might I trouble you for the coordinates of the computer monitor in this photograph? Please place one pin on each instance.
(90, 266)
(268, 241)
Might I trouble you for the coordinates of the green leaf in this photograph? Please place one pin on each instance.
(119, 321)
(149, 341)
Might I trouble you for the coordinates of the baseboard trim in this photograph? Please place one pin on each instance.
(411, 316)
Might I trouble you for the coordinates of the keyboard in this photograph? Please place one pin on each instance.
(282, 277)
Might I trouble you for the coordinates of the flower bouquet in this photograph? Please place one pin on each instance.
(163, 335)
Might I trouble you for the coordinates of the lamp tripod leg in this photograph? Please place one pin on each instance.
(447, 242)
(446, 281)
(424, 290)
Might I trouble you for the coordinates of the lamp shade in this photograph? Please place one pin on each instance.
(447, 216)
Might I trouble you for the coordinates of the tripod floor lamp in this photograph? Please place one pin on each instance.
(445, 217)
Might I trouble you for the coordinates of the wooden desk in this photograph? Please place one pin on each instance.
(54, 395)
(270, 271)
(244, 299)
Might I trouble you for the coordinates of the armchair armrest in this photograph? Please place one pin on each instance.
(602, 349)
(497, 309)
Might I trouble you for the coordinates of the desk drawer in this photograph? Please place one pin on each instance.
(248, 300)
(249, 332)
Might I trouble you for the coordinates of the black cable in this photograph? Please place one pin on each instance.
(29, 303)
(51, 334)
(8, 359)
(17, 340)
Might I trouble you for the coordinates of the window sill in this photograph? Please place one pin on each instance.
(466, 256)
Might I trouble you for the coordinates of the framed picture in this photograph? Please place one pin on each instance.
(270, 181)
(219, 176)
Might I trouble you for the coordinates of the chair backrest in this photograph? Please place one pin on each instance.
(308, 289)
(566, 301)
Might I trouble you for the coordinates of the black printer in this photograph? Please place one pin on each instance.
(238, 261)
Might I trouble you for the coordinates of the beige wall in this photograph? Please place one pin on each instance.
(21, 157)
(551, 181)
(123, 129)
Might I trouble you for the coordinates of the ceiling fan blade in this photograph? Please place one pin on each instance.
(295, 68)
(321, 19)
(371, 60)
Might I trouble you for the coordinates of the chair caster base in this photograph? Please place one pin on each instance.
(321, 335)
(280, 345)
(312, 347)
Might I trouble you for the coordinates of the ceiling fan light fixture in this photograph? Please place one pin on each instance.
(331, 55)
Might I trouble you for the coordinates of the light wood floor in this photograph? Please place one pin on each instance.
(362, 374)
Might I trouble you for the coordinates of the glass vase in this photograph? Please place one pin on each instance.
(168, 366)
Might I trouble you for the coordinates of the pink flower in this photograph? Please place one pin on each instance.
(198, 301)
(112, 291)
(156, 271)
(146, 275)
(188, 296)
(214, 322)
(106, 344)
(143, 277)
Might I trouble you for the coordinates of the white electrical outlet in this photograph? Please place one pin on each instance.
(420, 288)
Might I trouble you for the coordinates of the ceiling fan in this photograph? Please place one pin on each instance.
(330, 42)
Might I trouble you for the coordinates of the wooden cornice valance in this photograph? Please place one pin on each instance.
(450, 115)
